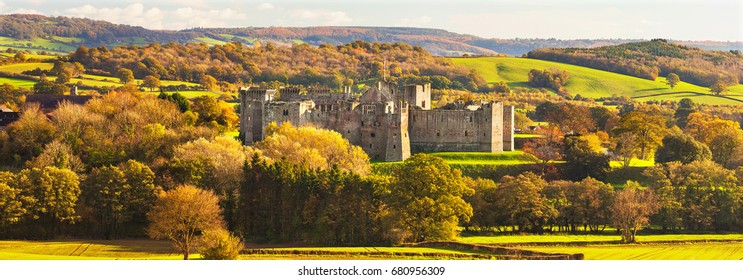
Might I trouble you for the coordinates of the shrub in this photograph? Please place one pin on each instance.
(220, 244)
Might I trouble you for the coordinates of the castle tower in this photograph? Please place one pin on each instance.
(508, 121)
(253, 113)
(493, 139)
(418, 95)
(398, 140)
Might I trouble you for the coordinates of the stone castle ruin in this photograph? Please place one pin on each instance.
(388, 124)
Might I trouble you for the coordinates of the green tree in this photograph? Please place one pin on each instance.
(582, 160)
(683, 148)
(125, 75)
(151, 82)
(178, 99)
(119, 195)
(54, 192)
(429, 204)
(673, 80)
(182, 214)
(632, 209)
(11, 202)
(725, 144)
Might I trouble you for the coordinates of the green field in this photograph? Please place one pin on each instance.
(469, 158)
(20, 67)
(635, 162)
(162, 250)
(209, 41)
(695, 251)
(39, 43)
(17, 82)
(608, 237)
(651, 247)
(594, 83)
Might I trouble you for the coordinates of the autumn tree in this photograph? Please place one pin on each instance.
(214, 113)
(208, 82)
(29, 134)
(313, 147)
(520, 202)
(151, 82)
(12, 97)
(632, 209)
(182, 214)
(59, 155)
(718, 88)
(645, 131)
(545, 149)
(673, 80)
(705, 127)
(428, 205)
(125, 75)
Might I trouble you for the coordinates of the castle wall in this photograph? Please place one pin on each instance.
(508, 133)
(450, 130)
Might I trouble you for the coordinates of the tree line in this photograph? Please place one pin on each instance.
(654, 58)
(235, 63)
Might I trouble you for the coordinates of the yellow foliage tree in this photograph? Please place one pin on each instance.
(704, 127)
(314, 147)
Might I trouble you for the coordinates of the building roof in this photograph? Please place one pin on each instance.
(50, 101)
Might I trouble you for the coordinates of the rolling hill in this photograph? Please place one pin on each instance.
(593, 83)
(64, 34)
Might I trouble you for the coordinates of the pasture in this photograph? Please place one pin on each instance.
(693, 251)
(20, 67)
(473, 158)
(17, 82)
(162, 250)
(606, 247)
(594, 83)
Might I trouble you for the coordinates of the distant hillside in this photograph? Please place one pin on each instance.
(64, 34)
(654, 58)
(593, 83)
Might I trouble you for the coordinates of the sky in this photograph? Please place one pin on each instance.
(698, 20)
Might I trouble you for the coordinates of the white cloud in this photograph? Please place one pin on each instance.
(265, 6)
(154, 18)
(25, 11)
(322, 17)
(35, 2)
(2, 4)
(189, 17)
(133, 14)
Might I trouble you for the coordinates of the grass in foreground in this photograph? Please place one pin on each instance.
(516, 239)
(162, 250)
(697, 251)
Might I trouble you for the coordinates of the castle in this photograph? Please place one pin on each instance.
(388, 124)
